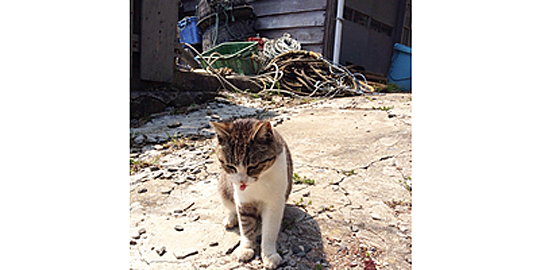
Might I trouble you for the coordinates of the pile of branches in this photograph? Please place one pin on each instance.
(306, 73)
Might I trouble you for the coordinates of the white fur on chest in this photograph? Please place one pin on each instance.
(270, 188)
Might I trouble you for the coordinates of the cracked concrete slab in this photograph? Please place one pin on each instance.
(357, 150)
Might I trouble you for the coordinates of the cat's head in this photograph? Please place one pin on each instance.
(246, 149)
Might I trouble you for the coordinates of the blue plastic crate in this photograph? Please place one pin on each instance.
(188, 30)
(400, 68)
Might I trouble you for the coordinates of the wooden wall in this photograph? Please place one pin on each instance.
(305, 20)
(158, 31)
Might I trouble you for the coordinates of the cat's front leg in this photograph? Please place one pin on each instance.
(271, 223)
(247, 216)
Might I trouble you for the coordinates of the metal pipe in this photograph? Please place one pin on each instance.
(339, 26)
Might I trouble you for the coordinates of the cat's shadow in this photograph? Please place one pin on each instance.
(299, 243)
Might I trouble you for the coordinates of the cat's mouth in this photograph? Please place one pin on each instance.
(242, 187)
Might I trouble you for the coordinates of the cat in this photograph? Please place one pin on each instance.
(255, 181)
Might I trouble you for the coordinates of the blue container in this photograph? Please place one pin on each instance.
(400, 68)
(188, 30)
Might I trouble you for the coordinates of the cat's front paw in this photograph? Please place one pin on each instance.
(230, 221)
(243, 254)
(272, 261)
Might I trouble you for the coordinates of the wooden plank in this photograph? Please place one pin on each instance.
(275, 7)
(304, 19)
(304, 35)
(313, 47)
(158, 32)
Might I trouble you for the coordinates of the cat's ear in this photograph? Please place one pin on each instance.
(222, 130)
(263, 131)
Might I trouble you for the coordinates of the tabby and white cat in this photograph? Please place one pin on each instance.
(256, 180)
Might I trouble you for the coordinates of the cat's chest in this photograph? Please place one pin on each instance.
(270, 186)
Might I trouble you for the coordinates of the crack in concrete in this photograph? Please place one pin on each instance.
(383, 159)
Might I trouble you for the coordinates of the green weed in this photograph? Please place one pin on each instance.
(348, 173)
(383, 108)
(302, 180)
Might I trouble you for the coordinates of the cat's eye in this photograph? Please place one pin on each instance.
(252, 169)
(231, 168)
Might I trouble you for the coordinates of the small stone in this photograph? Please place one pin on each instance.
(321, 209)
(355, 228)
(186, 254)
(139, 139)
(142, 190)
(174, 124)
(375, 216)
(213, 244)
(301, 254)
(296, 249)
(135, 235)
(191, 177)
(154, 168)
(179, 182)
(343, 248)
(158, 147)
(196, 170)
(158, 175)
(142, 231)
(306, 194)
(178, 228)
(307, 248)
(167, 191)
(172, 169)
(232, 248)
(161, 250)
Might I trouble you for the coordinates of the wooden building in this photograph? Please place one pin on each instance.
(369, 30)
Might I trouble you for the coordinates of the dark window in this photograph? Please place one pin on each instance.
(360, 18)
(375, 25)
(348, 14)
(381, 27)
(386, 29)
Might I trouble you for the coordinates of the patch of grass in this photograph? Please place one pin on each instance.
(137, 165)
(302, 203)
(383, 108)
(348, 173)
(393, 88)
(302, 180)
(175, 140)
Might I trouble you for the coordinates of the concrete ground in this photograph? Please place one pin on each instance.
(350, 208)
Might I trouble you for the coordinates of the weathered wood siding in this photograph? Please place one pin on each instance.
(304, 20)
(158, 31)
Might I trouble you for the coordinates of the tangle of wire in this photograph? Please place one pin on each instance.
(334, 80)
